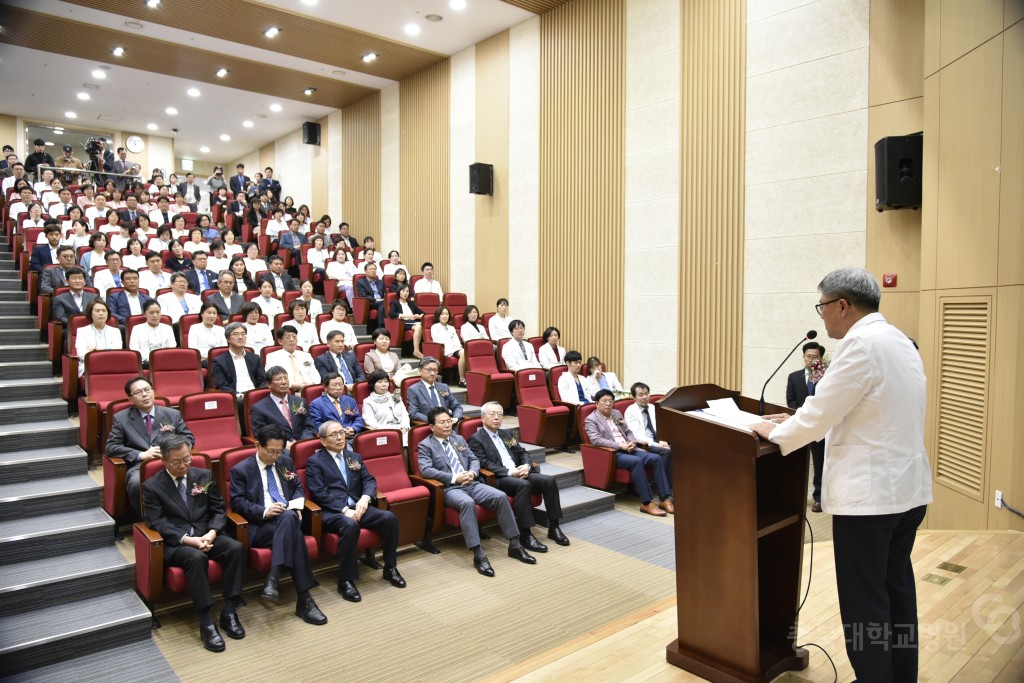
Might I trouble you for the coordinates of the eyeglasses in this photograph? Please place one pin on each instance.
(335, 435)
(178, 463)
(142, 392)
(818, 307)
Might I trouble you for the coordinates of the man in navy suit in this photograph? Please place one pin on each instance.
(337, 360)
(238, 182)
(46, 254)
(292, 239)
(74, 301)
(131, 300)
(199, 278)
(799, 386)
(342, 486)
(446, 457)
(226, 366)
(334, 405)
(184, 506)
(283, 409)
(266, 491)
(429, 393)
(371, 288)
(281, 280)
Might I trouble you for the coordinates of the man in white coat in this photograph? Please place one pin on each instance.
(877, 480)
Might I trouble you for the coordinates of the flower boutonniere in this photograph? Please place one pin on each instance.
(307, 363)
(353, 465)
(460, 448)
(349, 412)
(818, 368)
(285, 474)
(510, 443)
(165, 427)
(298, 408)
(445, 394)
(620, 422)
(200, 489)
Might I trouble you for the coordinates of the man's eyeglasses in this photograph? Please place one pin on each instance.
(819, 307)
(142, 392)
(178, 463)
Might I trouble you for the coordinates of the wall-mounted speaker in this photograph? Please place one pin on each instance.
(898, 172)
(311, 133)
(481, 178)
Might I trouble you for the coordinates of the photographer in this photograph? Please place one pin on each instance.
(216, 181)
(101, 159)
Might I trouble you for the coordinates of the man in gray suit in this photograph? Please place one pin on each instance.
(52, 278)
(136, 433)
(430, 393)
(74, 301)
(122, 165)
(226, 301)
(447, 458)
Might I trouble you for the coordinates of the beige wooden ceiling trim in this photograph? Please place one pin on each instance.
(536, 6)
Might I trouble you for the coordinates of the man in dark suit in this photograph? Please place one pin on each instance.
(199, 278)
(371, 288)
(103, 160)
(341, 485)
(517, 475)
(131, 300)
(800, 385)
(239, 181)
(345, 239)
(122, 165)
(74, 301)
(282, 408)
(429, 393)
(130, 213)
(226, 301)
(190, 190)
(270, 185)
(46, 254)
(264, 489)
(334, 405)
(336, 360)
(444, 456)
(292, 239)
(281, 280)
(184, 506)
(136, 432)
(226, 366)
(53, 278)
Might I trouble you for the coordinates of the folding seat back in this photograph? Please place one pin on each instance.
(212, 417)
(456, 302)
(484, 382)
(106, 373)
(553, 376)
(175, 372)
(428, 302)
(382, 454)
(251, 398)
(541, 422)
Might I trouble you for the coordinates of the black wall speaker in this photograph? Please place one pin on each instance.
(481, 178)
(311, 133)
(898, 172)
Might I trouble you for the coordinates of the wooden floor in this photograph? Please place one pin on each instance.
(970, 618)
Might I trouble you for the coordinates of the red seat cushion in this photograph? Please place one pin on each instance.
(174, 577)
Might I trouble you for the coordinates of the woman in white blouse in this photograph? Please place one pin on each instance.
(243, 281)
(119, 241)
(472, 328)
(313, 304)
(195, 242)
(498, 324)
(317, 255)
(383, 409)
(258, 334)
(98, 255)
(551, 354)
(99, 336)
(253, 262)
(339, 321)
(342, 270)
(307, 337)
(135, 259)
(444, 333)
(266, 301)
(231, 246)
(207, 335)
(153, 335)
(35, 218)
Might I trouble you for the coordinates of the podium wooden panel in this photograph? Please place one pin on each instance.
(739, 537)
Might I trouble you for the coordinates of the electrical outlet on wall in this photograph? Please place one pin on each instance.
(999, 499)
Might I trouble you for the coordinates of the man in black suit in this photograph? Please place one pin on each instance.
(337, 360)
(74, 301)
(199, 278)
(122, 165)
(136, 432)
(268, 184)
(345, 239)
(239, 181)
(46, 254)
(103, 160)
(226, 367)
(281, 280)
(341, 485)
(183, 505)
(132, 300)
(516, 475)
(53, 278)
(799, 386)
(226, 301)
(265, 490)
(371, 288)
(282, 408)
(130, 213)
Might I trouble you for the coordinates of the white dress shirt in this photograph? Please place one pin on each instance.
(303, 365)
(423, 285)
(634, 417)
(243, 382)
(270, 307)
(89, 338)
(145, 338)
(205, 338)
(258, 336)
(346, 329)
(134, 302)
(519, 357)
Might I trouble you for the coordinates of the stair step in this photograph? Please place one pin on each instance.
(578, 502)
(56, 580)
(57, 494)
(19, 322)
(29, 388)
(11, 285)
(12, 295)
(33, 410)
(121, 663)
(38, 435)
(15, 336)
(50, 635)
(14, 308)
(9, 274)
(564, 476)
(538, 454)
(25, 352)
(23, 466)
(32, 369)
(54, 534)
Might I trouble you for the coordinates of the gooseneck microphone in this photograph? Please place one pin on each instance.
(811, 334)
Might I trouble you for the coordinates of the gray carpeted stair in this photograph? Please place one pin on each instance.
(579, 502)
(138, 661)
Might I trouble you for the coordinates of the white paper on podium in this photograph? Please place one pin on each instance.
(725, 411)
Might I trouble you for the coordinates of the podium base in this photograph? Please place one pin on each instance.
(773, 664)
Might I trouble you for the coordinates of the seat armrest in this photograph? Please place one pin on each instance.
(436, 489)
(114, 473)
(69, 377)
(598, 465)
(487, 476)
(149, 562)
(312, 520)
(238, 526)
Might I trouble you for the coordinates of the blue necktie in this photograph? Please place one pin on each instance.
(117, 280)
(453, 461)
(206, 282)
(437, 399)
(343, 366)
(275, 493)
(810, 388)
(344, 475)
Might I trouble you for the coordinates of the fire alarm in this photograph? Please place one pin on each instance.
(889, 280)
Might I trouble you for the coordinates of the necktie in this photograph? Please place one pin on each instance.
(285, 411)
(275, 493)
(131, 215)
(206, 282)
(295, 368)
(343, 367)
(184, 305)
(649, 424)
(117, 279)
(453, 461)
(810, 388)
(337, 406)
(166, 217)
(184, 500)
(149, 424)
(344, 475)
(437, 399)
(522, 347)
(558, 356)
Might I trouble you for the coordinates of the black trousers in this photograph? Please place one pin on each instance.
(522, 489)
(877, 594)
(384, 522)
(227, 551)
(818, 459)
(283, 535)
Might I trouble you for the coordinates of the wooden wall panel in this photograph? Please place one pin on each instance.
(492, 131)
(582, 183)
(360, 167)
(268, 157)
(1011, 175)
(896, 51)
(424, 202)
(319, 178)
(713, 81)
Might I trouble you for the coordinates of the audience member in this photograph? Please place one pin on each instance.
(383, 408)
(427, 283)
(472, 328)
(800, 385)
(371, 288)
(206, 334)
(572, 386)
(551, 354)
(444, 332)
(405, 309)
(267, 301)
(339, 321)
(153, 279)
(599, 379)
(429, 393)
(338, 360)
(225, 300)
(313, 305)
(306, 331)
(153, 335)
(518, 353)
(497, 326)
(238, 370)
(99, 335)
(109, 278)
(296, 362)
(130, 300)
(341, 269)
(46, 254)
(381, 357)
(334, 405)
(179, 301)
(55, 278)
(282, 409)
(258, 332)
(75, 299)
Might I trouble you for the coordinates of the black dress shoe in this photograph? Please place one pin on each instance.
(309, 612)
(816, 507)
(531, 543)
(392, 576)
(211, 638)
(557, 536)
(232, 626)
(270, 591)
(521, 555)
(483, 565)
(349, 591)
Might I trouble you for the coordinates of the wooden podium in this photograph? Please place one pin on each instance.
(739, 537)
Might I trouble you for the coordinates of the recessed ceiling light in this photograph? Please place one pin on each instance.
(248, 124)
(271, 32)
(309, 2)
(412, 29)
(193, 92)
(275, 107)
(118, 51)
(222, 72)
(56, 128)
(369, 57)
(434, 18)
(457, 4)
(171, 111)
(48, 144)
(224, 137)
(84, 96)
(99, 74)
(70, 115)
(152, 4)
(58, 132)
(152, 126)
(309, 91)
(204, 149)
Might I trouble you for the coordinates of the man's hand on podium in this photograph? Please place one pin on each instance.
(767, 424)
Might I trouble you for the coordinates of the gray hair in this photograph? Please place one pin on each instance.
(490, 405)
(322, 432)
(230, 329)
(856, 285)
(172, 442)
(427, 360)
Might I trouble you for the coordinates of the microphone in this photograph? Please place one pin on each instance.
(811, 334)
